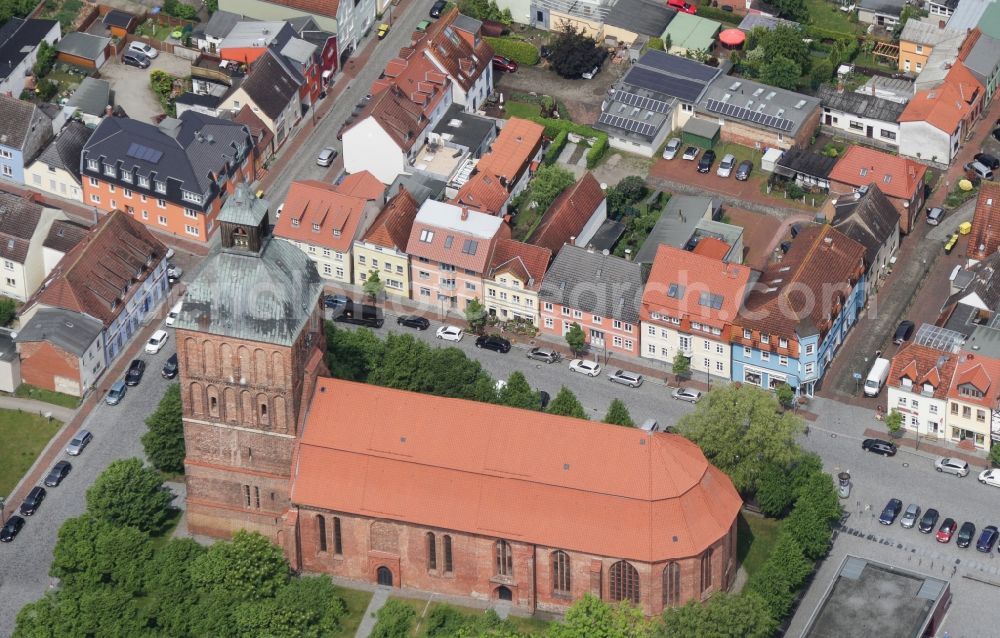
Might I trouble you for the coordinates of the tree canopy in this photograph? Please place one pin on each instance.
(128, 493)
(566, 404)
(517, 393)
(373, 286)
(594, 618)
(164, 442)
(724, 616)
(618, 414)
(574, 53)
(576, 339)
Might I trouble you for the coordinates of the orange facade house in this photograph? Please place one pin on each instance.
(173, 176)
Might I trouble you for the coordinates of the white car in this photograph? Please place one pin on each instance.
(450, 333)
(684, 394)
(174, 272)
(691, 153)
(671, 149)
(175, 310)
(157, 341)
(583, 366)
(958, 467)
(143, 48)
(990, 477)
(726, 166)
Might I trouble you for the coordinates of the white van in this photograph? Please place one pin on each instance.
(981, 170)
(174, 311)
(876, 377)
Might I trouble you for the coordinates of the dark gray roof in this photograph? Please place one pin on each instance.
(8, 350)
(200, 99)
(885, 7)
(243, 208)
(869, 220)
(266, 297)
(69, 330)
(641, 16)
(317, 37)
(421, 186)
(18, 37)
(298, 23)
(676, 224)
(800, 161)
(271, 85)
(983, 58)
(670, 76)
(92, 96)
(861, 104)
(221, 23)
(16, 119)
(19, 217)
(82, 45)
(985, 283)
(463, 22)
(595, 283)
(117, 18)
(64, 151)
(470, 130)
(962, 319)
(64, 235)
(607, 235)
(757, 105)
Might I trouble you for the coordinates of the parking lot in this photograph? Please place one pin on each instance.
(131, 85)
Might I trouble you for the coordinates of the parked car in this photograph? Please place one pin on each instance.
(878, 446)
(910, 516)
(585, 366)
(672, 148)
(928, 521)
(991, 162)
(891, 511)
(591, 74)
(170, 368)
(135, 372)
(11, 528)
(116, 393)
(743, 170)
(946, 531)
(965, 534)
(903, 332)
(174, 272)
(143, 49)
(631, 379)
(686, 394)
(360, 314)
(450, 333)
(413, 321)
(990, 477)
(691, 153)
(682, 6)
(958, 467)
(58, 473)
(934, 216)
(726, 166)
(544, 355)
(706, 161)
(996, 134)
(500, 63)
(493, 342)
(335, 302)
(157, 341)
(437, 8)
(136, 59)
(31, 502)
(949, 244)
(174, 312)
(987, 539)
(423, 24)
(326, 156)
(79, 442)
(543, 399)
(383, 30)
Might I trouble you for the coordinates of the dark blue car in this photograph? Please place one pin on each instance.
(891, 511)
(987, 538)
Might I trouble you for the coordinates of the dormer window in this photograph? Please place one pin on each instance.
(906, 382)
(295, 222)
(969, 390)
(126, 177)
(928, 388)
(92, 165)
(336, 232)
(143, 182)
(186, 196)
(782, 342)
(109, 170)
(161, 187)
(315, 228)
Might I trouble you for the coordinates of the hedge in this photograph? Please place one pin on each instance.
(553, 128)
(705, 11)
(597, 151)
(556, 147)
(517, 50)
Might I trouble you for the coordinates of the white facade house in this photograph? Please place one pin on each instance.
(57, 169)
(918, 387)
(20, 50)
(862, 116)
(369, 147)
(925, 141)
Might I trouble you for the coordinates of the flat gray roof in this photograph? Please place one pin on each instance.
(71, 331)
(676, 224)
(757, 105)
(466, 129)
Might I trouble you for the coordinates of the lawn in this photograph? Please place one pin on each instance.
(520, 109)
(24, 436)
(26, 391)
(357, 602)
(827, 15)
(65, 12)
(523, 625)
(756, 536)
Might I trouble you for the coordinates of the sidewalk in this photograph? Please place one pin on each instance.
(41, 407)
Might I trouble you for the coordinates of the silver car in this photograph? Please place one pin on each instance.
(910, 516)
(958, 467)
(326, 156)
(79, 442)
(726, 166)
(631, 379)
(672, 148)
(685, 394)
(544, 354)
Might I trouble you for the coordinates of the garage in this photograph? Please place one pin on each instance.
(83, 49)
(703, 133)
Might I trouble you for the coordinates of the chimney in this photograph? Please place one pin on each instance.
(108, 110)
(465, 214)
(572, 239)
(628, 254)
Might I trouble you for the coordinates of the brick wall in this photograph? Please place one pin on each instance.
(42, 362)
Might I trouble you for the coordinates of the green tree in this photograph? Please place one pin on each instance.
(178, 9)
(792, 9)
(779, 579)
(247, 568)
(741, 430)
(102, 611)
(656, 44)
(779, 486)
(475, 315)
(815, 511)
(618, 414)
(724, 616)
(894, 422)
(128, 493)
(781, 72)
(373, 285)
(575, 338)
(45, 59)
(46, 89)
(995, 455)
(212, 6)
(681, 365)
(164, 442)
(15, 9)
(516, 393)
(92, 552)
(549, 181)
(593, 618)
(566, 404)
(306, 607)
(8, 310)
(394, 620)
(632, 188)
(574, 53)
(352, 354)
(174, 599)
(785, 395)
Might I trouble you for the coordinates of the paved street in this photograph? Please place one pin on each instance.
(24, 563)
(298, 158)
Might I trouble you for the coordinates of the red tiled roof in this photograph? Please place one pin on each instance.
(391, 229)
(862, 166)
(484, 193)
(509, 473)
(969, 43)
(316, 213)
(261, 134)
(116, 255)
(712, 248)
(363, 185)
(399, 117)
(985, 236)
(920, 364)
(525, 261)
(447, 226)
(807, 286)
(512, 150)
(982, 373)
(681, 283)
(462, 59)
(568, 214)
(945, 106)
(326, 8)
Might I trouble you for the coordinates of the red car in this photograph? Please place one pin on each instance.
(682, 6)
(504, 64)
(946, 531)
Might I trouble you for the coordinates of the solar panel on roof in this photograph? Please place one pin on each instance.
(627, 124)
(144, 153)
(682, 89)
(644, 103)
(678, 66)
(740, 113)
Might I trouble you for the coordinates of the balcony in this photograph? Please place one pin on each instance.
(215, 69)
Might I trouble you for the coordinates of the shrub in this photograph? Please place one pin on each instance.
(556, 147)
(597, 151)
(395, 620)
(517, 50)
(8, 309)
(656, 44)
(46, 89)
(178, 9)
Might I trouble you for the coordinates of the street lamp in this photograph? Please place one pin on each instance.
(708, 373)
(3, 503)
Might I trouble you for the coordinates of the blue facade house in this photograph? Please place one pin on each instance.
(25, 130)
(800, 312)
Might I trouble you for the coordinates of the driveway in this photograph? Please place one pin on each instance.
(131, 85)
(582, 97)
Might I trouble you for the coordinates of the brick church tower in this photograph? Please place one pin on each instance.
(250, 346)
